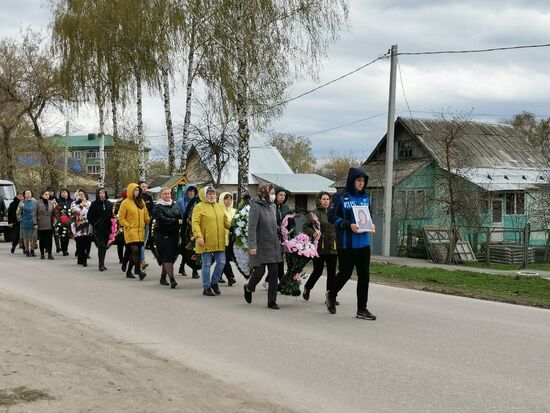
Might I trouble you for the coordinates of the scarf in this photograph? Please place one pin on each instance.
(165, 203)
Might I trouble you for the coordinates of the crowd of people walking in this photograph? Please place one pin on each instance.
(199, 227)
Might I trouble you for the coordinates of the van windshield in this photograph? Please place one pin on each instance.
(7, 192)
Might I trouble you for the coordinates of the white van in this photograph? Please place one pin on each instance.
(7, 193)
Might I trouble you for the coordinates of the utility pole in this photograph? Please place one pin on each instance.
(66, 156)
(388, 188)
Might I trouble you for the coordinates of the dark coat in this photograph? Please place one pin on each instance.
(282, 209)
(263, 233)
(167, 219)
(149, 203)
(100, 214)
(327, 241)
(12, 212)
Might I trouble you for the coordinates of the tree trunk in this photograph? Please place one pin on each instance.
(243, 151)
(115, 157)
(101, 145)
(9, 168)
(169, 126)
(188, 96)
(49, 175)
(141, 135)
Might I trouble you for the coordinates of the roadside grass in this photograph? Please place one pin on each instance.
(510, 267)
(530, 291)
(10, 397)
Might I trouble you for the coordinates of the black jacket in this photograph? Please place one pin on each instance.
(166, 219)
(12, 212)
(282, 209)
(100, 214)
(149, 203)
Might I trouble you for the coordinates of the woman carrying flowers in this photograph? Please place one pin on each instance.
(264, 244)
(326, 247)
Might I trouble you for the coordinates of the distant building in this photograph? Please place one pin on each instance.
(84, 151)
(266, 165)
(499, 175)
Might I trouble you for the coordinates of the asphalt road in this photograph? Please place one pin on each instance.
(425, 353)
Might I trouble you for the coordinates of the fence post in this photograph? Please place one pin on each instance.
(488, 249)
(526, 232)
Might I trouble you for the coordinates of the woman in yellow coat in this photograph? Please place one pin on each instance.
(209, 223)
(133, 216)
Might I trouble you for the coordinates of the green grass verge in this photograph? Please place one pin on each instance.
(510, 267)
(516, 290)
(10, 397)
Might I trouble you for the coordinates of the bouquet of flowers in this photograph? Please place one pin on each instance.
(299, 248)
(239, 230)
(62, 221)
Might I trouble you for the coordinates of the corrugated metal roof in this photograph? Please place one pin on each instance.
(506, 179)
(263, 160)
(479, 144)
(299, 183)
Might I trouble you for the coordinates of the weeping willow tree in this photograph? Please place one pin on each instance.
(260, 48)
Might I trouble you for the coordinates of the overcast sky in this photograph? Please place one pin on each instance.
(499, 84)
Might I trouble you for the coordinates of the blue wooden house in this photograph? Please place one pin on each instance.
(482, 175)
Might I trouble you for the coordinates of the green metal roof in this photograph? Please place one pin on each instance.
(82, 141)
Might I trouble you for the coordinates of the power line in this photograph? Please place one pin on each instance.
(492, 49)
(344, 125)
(284, 102)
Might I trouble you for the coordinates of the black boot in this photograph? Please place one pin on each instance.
(231, 281)
(173, 283)
(216, 289)
(273, 305)
(163, 280)
(195, 274)
(129, 274)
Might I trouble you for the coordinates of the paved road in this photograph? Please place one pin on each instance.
(425, 353)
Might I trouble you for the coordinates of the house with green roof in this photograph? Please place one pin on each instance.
(83, 151)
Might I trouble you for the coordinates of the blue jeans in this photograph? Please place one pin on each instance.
(219, 257)
(142, 251)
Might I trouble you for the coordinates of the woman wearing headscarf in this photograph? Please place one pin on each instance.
(166, 234)
(43, 213)
(62, 223)
(81, 227)
(99, 216)
(27, 224)
(226, 201)
(209, 223)
(133, 216)
(264, 244)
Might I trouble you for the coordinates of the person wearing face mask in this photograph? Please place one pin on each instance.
(43, 213)
(209, 223)
(81, 227)
(264, 244)
(99, 216)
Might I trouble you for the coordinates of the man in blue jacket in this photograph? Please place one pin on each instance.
(353, 245)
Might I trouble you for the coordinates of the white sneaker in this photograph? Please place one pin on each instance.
(265, 284)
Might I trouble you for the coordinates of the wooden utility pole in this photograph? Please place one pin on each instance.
(388, 188)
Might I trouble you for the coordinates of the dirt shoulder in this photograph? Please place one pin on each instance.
(74, 368)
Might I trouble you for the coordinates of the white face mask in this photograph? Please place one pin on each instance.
(272, 198)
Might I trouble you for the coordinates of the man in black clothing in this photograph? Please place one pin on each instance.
(12, 221)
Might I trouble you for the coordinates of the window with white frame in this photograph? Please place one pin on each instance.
(92, 154)
(74, 154)
(93, 169)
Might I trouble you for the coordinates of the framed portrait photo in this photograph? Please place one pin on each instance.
(363, 218)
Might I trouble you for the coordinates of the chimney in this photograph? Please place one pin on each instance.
(91, 136)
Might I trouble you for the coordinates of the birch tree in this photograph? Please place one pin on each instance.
(260, 47)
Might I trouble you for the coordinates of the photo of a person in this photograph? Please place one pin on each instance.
(363, 218)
